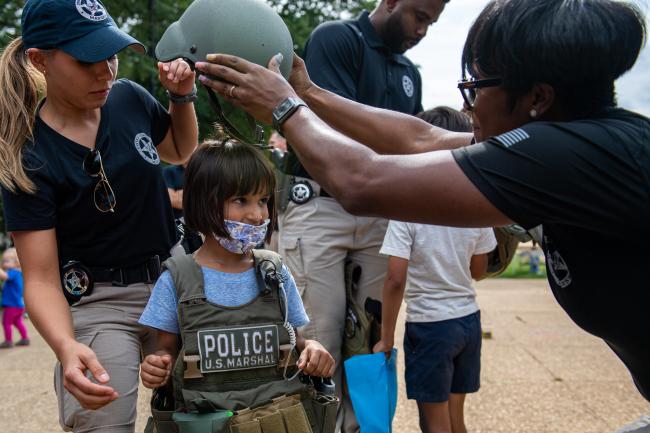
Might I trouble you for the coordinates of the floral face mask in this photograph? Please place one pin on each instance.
(243, 237)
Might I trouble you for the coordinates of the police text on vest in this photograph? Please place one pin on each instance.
(238, 348)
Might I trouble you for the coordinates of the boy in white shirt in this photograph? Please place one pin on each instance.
(442, 342)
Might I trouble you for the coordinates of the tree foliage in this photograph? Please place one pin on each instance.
(302, 16)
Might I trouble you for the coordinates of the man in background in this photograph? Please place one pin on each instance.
(362, 60)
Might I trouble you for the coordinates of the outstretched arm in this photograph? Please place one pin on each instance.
(425, 187)
(429, 188)
(384, 131)
(50, 314)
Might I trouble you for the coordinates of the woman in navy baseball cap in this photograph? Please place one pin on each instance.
(85, 199)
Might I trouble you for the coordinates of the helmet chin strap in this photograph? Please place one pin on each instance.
(232, 131)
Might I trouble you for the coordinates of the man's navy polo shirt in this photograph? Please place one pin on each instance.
(350, 59)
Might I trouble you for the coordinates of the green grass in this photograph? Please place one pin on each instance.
(518, 269)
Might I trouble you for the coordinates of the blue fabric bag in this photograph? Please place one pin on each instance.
(372, 385)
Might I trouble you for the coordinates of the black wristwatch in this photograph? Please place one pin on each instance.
(183, 99)
(284, 110)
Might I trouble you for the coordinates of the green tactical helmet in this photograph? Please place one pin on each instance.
(250, 29)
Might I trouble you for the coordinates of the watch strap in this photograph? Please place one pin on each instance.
(183, 99)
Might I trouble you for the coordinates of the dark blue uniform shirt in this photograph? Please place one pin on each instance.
(588, 183)
(350, 59)
(132, 124)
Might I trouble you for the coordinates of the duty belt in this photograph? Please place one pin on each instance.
(303, 189)
(147, 272)
(78, 280)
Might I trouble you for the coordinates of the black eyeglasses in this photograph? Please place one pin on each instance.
(103, 196)
(468, 88)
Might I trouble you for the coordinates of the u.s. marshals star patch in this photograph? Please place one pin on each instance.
(513, 137)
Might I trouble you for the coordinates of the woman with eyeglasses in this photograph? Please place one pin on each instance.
(552, 149)
(85, 199)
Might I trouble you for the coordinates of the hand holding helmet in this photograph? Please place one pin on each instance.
(299, 78)
(252, 87)
(176, 76)
(248, 29)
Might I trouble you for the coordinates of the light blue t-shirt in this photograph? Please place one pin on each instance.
(229, 290)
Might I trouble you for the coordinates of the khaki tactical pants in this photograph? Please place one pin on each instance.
(315, 240)
(107, 322)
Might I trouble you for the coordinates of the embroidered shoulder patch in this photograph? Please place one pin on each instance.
(513, 137)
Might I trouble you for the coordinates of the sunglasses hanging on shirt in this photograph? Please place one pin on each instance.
(103, 195)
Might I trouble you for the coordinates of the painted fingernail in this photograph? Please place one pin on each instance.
(203, 78)
(278, 58)
(211, 57)
(199, 65)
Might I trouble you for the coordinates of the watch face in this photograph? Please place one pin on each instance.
(284, 106)
(280, 110)
(284, 110)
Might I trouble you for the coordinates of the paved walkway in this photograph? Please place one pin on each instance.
(540, 374)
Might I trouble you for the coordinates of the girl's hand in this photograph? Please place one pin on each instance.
(315, 360)
(155, 370)
(176, 76)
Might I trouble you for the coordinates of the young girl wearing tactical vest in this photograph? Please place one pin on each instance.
(225, 316)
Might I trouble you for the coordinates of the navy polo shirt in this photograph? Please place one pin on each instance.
(132, 124)
(350, 59)
(174, 178)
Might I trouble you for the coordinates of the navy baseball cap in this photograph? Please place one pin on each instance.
(81, 28)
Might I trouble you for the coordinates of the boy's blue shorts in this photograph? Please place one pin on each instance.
(442, 357)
